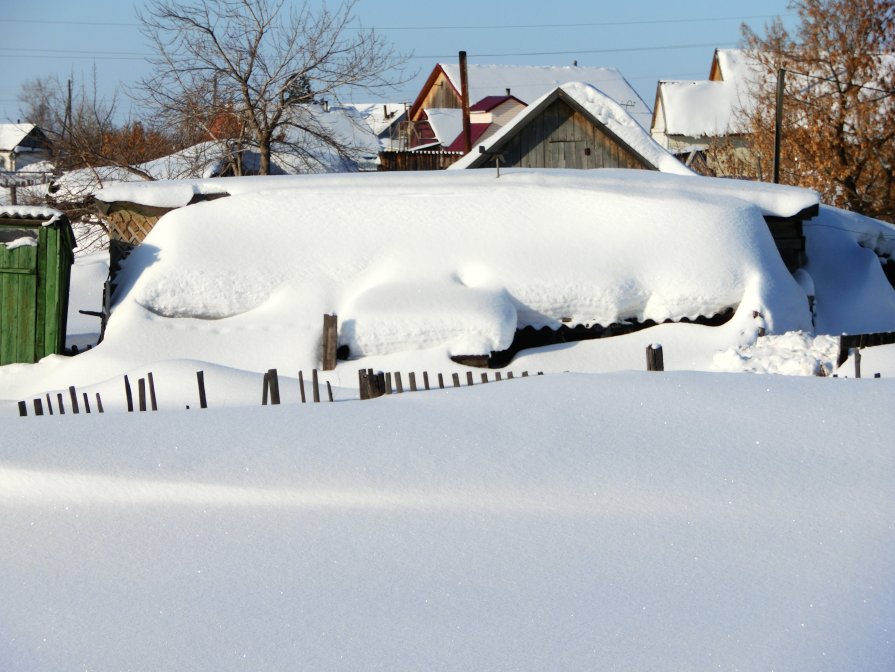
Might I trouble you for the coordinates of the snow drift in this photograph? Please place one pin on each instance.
(458, 261)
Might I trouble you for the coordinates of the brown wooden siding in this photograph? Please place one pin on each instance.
(417, 160)
(561, 137)
(441, 95)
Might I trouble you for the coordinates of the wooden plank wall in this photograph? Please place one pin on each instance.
(34, 284)
(18, 304)
(417, 160)
(560, 137)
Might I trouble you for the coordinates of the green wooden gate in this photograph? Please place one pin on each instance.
(35, 269)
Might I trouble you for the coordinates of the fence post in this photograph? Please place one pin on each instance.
(152, 401)
(301, 386)
(274, 383)
(38, 407)
(426, 379)
(654, 358)
(363, 384)
(265, 387)
(412, 381)
(86, 404)
(200, 379)
(329, 390)
(455, 377)
(99, 403)
(330, 337)
(74, 399)
(128, 395)
(315, 386)
(61, 404)
(141, 393)
(857, 362)
(23, 409)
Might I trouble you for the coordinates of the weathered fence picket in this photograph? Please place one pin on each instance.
(200, 381)
(129, 397)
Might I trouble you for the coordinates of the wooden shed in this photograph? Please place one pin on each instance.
(561, 131)
(36, 254)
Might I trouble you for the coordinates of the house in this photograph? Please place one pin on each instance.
(497, 92)
(36, 254)
(21, 146)
(573, 126)
(690, 116)
(382, 118)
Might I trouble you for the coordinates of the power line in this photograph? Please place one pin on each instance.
(584, 51)
(641, 22)
(888, 92)
(70, 51)
(68, 23)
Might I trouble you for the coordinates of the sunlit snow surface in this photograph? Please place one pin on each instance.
(624, 521)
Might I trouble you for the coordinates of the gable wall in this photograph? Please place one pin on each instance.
(560, 137)
(440, 95)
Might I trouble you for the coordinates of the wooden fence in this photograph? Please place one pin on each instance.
(849, 342)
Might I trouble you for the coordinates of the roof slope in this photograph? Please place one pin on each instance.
(530, 82)
(12, 135)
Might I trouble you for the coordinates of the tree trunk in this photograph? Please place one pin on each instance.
(264, 158)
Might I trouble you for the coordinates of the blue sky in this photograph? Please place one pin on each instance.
(647, 41)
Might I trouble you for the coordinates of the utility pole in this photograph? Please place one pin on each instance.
(464, 94)
(778, 123)
(66, 124)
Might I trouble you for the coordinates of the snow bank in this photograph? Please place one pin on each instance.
(851, 289)
(618, 522)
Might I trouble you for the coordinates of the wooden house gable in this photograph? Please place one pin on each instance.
(560, 133)
(438, 92)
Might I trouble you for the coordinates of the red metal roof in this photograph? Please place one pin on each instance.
(476, 132)
(488, 103)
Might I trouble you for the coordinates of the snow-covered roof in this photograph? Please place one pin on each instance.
(452, 259)
(40, 213)
(379, 116)
(604, 110)
(530, 82)
(701, 108)
(446, 123)
(11, 135)
(710, 108)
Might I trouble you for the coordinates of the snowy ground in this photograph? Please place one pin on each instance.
(595, 517)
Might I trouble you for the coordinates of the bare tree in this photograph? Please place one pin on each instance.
(248, 69)
(839, 103)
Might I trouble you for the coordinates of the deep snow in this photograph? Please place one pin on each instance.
(623, 521)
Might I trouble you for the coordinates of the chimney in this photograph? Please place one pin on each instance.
(508, 93)
(464, 95)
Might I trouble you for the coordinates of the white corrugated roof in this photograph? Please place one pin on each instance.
(530, 82)
(37, 212)
(11, 135)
